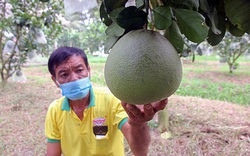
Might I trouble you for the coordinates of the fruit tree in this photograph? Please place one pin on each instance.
(194, 20)
(23, 28)
(231, 48)
(179, 21)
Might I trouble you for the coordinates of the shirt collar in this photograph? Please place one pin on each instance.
(66, 106)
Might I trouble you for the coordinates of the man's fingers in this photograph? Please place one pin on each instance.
(132, 110)
(124, 105)
(144, 112)
(160, 105)
(149, 110)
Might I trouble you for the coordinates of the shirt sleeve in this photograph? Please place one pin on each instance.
(122, 123)
(51, 129)
(120, 115)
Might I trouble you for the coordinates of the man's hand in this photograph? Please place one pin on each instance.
(139, 114)
(136, 130)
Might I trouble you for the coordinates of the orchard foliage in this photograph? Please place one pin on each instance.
(231, 48)
(27, 28)
(179, 20)
(85, 30)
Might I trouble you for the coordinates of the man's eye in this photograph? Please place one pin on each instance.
(79, 70)
(63, 75)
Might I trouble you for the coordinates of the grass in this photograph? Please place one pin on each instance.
(41, 78)
(217, 58)
(222, 91)
(96, 59)
(200, 79)
(211, 80)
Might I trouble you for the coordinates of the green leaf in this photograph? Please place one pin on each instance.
(166, 135)
(139, 3)
(115, 12)
(114, 30)
(104, 15)
(119, 3)
(234, 30)
(131, 18)
(214, 19)
(238, 12)
(191, 24)
(204, 6)
(187, 4)
(177, 1)
(199, 51)
(109, 43)
(185, 53)
(174, 36)
(162, 17)
(214, 39)
(44, 1)
(110, 5)
(154, 3)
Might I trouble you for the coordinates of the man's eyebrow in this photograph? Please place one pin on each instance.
(79, 65)
(61, 71)
(65, 69)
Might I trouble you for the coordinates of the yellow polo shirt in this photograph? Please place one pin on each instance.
(77, 137)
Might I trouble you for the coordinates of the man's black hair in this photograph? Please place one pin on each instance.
(61, 55)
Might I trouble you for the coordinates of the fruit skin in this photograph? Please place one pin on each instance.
(143, 67)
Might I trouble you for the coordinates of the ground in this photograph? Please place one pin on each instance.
(205, 127)
(217, 76)
(199, 127)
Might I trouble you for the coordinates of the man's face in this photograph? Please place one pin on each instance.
(72, 69)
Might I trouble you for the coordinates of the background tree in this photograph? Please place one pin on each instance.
(231, 48)
(178, 20)
(23, 28)
(84, 30)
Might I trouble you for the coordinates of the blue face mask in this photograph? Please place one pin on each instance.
(76, 90)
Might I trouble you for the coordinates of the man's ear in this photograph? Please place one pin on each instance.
(89, 72)
(54, 79)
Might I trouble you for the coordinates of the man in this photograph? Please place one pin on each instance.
(90, 121)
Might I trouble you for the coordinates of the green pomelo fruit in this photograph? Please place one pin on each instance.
(143, 67)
